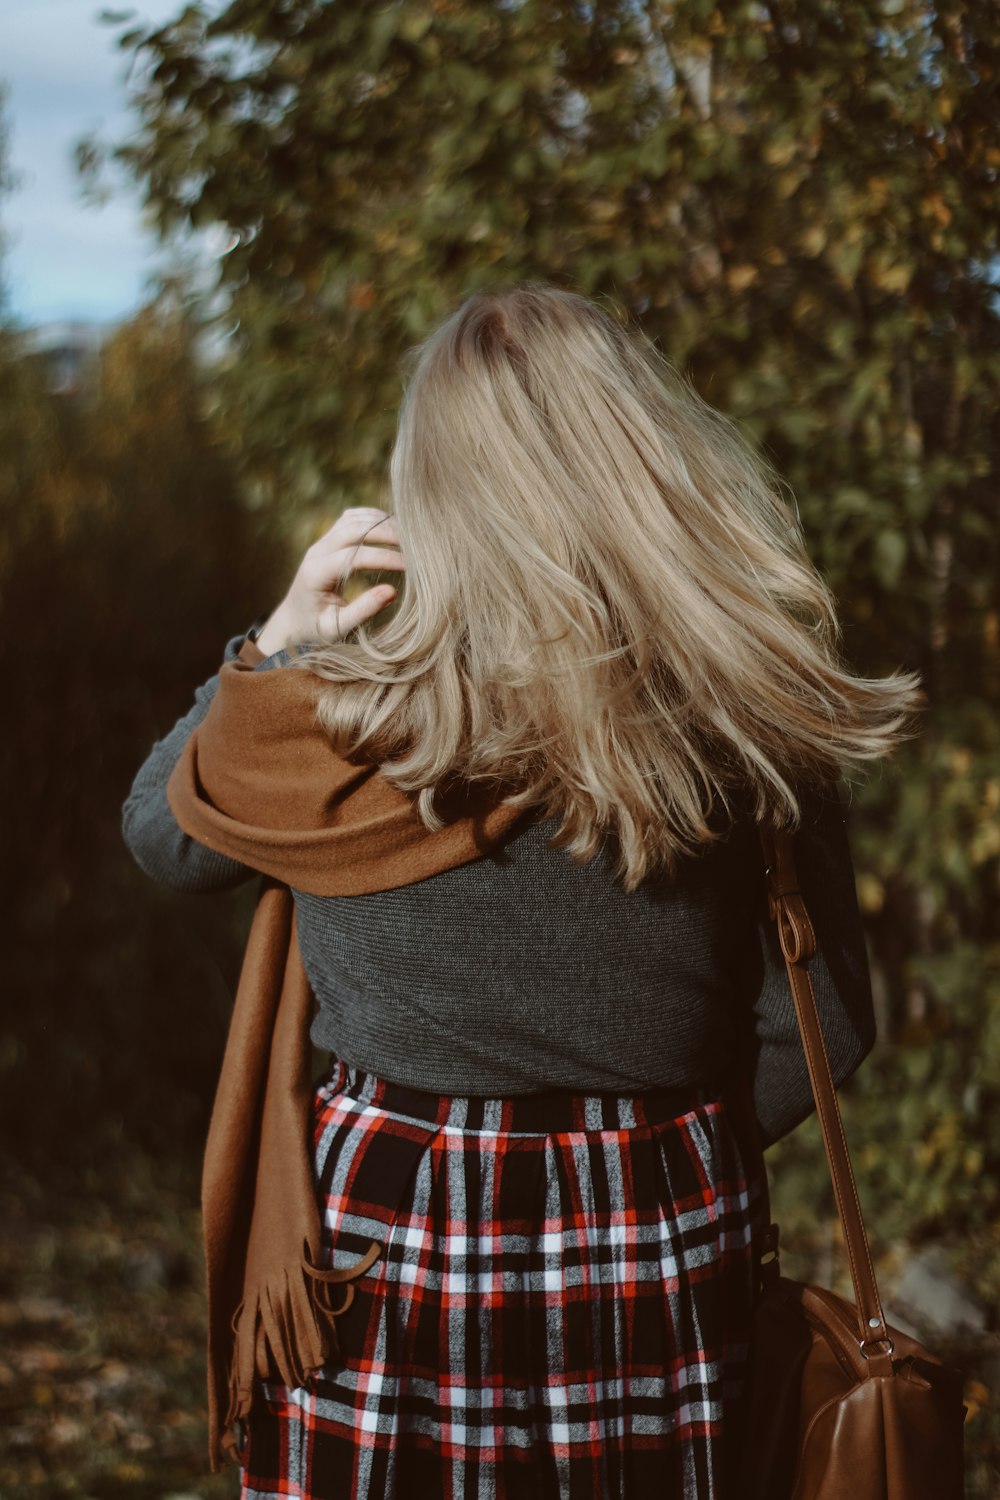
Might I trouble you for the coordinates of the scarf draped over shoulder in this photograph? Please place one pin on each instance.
(259, 781)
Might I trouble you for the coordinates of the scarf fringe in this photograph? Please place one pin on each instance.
(285, 1323)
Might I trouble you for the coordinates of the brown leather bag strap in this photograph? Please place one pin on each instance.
(798, 943)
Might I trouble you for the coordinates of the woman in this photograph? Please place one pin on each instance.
(607, 623)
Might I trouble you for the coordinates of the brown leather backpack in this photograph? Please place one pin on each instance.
(840, 1404)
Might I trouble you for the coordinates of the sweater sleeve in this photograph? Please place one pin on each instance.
(838, 969)
(151, 833)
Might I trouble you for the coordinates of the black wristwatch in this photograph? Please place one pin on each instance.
(258, 626)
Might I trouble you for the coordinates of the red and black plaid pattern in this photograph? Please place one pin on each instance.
(560, 1310)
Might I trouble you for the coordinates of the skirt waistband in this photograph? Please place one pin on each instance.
(545, 1111)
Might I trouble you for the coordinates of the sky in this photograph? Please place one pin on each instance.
(64, 77)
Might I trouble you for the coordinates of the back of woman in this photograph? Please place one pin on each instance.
(609, 634)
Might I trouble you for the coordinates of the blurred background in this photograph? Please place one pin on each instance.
(222, 226)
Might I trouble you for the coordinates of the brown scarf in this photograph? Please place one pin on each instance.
(259, 781)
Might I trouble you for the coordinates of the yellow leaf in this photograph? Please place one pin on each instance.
(877, 191)
(871, 892)
(938, 208)
(779, 153)
(605, 210)
(812, 241)
(738, 278)
(889, 278)
(786, 182)
(976, 1396)
(984, 843)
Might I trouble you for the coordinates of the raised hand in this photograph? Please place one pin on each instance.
(314, 609)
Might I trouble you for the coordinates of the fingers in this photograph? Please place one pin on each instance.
(375, 557)
(325, 572)
(337, 620)
(358, 524)
(349, 547)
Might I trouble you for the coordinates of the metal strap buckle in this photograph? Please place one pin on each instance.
(887, 1340)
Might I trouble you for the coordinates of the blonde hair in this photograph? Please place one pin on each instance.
(608, 611)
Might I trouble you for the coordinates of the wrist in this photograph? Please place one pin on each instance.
(275, 634)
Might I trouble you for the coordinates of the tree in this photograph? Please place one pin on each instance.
(128, 558)
(798, 199)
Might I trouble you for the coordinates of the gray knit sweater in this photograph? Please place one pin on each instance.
(524, 970)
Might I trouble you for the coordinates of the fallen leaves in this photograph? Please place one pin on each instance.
(102, 1363)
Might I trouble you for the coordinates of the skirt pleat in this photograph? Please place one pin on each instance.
(560, 1310)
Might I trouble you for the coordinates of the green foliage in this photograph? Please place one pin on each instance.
(127, 560)
(798, 202)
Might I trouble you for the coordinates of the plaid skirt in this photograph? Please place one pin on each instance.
(560, 1310)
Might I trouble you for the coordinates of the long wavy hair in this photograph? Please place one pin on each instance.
(608, 612)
